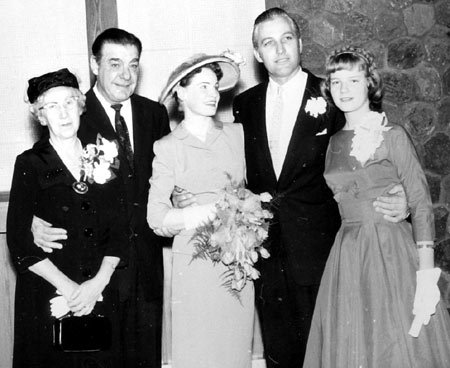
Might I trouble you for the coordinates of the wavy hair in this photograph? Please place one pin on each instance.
(271, 14)
(35, 107)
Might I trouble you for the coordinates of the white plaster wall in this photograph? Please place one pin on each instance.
(36, 37)
(171, 31)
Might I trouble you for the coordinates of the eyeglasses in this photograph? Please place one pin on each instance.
(69, 104)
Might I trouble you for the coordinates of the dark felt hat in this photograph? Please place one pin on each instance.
(230, 70)
(38, 85)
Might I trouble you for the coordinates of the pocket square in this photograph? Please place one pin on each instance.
(322, 132)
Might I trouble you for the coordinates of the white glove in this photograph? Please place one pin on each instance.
(426, 299)
(198, 215)
(59, 307)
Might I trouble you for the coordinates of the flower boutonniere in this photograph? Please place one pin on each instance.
(97, 161)
(368, 136)
(316, 106)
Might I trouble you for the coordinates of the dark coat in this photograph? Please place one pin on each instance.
(306, 217)
(42, 186)
(150, 123)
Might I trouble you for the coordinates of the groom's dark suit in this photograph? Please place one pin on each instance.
(305, 223)
(142, 281)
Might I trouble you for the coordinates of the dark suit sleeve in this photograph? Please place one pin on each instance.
(164, 122)
(117, 245)
(237, 110)
(23, 196)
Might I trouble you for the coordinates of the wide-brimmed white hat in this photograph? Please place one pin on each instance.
(230, 71)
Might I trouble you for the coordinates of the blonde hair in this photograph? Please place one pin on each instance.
(347, 58)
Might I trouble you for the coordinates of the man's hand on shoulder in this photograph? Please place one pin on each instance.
(393, 205)
(45, 236)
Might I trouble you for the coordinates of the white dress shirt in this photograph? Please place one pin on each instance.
(292, 95)
(125, 111)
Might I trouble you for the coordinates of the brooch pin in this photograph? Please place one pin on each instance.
(80, 187)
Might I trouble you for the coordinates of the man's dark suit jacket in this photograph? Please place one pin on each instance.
(150, 123)
(306, 217)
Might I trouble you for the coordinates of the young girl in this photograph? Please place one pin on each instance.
(378, 304)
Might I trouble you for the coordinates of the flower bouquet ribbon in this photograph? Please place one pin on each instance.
(236, 235)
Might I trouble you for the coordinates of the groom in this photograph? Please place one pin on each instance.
(287, 129)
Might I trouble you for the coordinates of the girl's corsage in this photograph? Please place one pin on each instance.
(368, 136)
(316, 106)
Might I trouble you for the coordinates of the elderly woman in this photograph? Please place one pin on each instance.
(210, 328)
(51, 181)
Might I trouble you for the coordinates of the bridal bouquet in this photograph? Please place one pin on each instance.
(97, 160)
(236, 236)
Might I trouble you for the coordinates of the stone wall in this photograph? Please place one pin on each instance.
(411, 42)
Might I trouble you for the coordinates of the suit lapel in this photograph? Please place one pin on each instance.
(97, 117)
(55, 171)
(305, 126)
(141, 124)
(260, 125)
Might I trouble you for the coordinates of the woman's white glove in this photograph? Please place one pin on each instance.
(426, 299)
(198, 215)
(59, 307)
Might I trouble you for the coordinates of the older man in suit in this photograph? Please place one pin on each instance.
(117, 113)
(285, 147)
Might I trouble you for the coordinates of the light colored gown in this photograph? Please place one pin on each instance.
(210, 327)
(364, 307)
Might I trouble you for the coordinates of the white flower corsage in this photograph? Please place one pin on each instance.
(234, 56)
(316, 106)
(368, 136)
(97, 160)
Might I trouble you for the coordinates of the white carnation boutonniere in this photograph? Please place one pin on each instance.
(316, 106)
(369, 136)
(97, 161)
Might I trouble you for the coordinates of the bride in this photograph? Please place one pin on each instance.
(210, 328)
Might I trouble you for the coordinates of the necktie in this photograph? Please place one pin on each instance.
(122, 133)
(276, 123)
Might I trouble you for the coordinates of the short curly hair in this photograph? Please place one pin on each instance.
(35, 107)
(346, 59)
